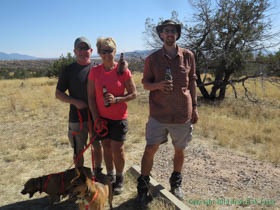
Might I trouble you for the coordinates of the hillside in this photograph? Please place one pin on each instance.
(19, 69)
(25, 64)
(16, 56)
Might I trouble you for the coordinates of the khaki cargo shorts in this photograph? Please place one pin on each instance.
(157, 132)
(80, 138)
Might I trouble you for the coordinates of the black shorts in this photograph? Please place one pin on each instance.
(117, 130)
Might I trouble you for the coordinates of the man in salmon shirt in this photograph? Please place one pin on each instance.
(170, 76)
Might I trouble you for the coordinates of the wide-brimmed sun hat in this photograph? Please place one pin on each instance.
(169, 22)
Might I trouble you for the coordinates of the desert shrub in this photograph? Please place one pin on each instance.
(59, 64)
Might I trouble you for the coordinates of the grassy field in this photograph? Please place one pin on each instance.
(33, 126)
(248, 127)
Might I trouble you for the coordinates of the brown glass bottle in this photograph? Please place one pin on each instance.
(106, 103)
(121, 65)
(168, 75)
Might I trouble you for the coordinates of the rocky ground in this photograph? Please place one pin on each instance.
(218, 178)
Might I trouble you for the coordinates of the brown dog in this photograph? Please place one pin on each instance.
(93, 195)
(56, 185)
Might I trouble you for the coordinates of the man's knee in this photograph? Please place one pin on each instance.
(150, 150)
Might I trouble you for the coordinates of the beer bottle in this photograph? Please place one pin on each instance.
(121, 65)
(106, 103)
(168, 75)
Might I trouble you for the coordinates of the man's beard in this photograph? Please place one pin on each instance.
(170, 41)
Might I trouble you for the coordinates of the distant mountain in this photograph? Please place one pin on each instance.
(137, 54)
(16, 56)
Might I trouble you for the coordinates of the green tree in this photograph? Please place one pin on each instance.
(4, 73)
(136, 65)
(60, 64)
(21, 73)
(271, 62)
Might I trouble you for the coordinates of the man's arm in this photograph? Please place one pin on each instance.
(192, 87)
(62, 96)
(62, 86)
(148, 78)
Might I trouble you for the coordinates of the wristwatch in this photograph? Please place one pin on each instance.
(117, 100)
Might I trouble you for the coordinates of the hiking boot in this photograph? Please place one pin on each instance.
(143, 198)
(98, 174)
(177, 191)
(118, 185)
(175, 184)
(111, 178)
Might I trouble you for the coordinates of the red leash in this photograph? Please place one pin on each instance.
(102, 131)
(98, 131)
(93, 199)
(81, 124)
(46, 183)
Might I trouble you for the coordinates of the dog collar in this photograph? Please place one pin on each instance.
(92, 200)
(46, 183)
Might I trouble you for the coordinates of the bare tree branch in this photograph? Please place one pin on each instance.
(248, 94)
(234, 90)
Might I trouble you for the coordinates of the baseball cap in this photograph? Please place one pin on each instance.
(82, 40)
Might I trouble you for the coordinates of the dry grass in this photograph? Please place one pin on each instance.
(33, 126)
(245, 126)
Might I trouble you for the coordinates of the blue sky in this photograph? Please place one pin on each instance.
(48, 28)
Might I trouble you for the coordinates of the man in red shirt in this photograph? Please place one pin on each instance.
(169, 75)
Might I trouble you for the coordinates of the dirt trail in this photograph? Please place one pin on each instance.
(218, 178)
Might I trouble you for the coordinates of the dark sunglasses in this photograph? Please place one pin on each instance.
(166, 31)
(109, 51)
(83, 48)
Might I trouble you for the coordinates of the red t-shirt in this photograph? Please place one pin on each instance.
(115, 85)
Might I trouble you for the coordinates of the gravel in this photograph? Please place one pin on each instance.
(221, 178)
